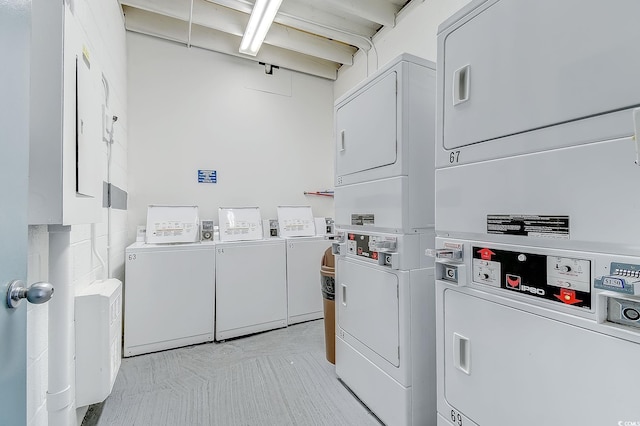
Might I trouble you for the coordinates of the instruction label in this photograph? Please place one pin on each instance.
(529, 225)
(363, 219)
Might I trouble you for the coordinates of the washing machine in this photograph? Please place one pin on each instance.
(304, 296)
(251, 279)
(537, 251)
(251, 287)
(305, 250)
(169, 296)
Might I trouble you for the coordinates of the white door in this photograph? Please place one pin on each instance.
(366, 128)
(505, 366)
(15, 27)
(522, 65)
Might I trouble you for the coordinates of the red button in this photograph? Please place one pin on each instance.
(567, 296)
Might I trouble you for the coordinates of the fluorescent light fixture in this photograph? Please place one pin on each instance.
(259, 22)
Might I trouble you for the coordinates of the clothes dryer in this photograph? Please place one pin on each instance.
(157, 315)
(385, 330)
(384, 132)
(537, 266)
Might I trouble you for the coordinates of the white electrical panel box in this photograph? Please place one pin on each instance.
(240, 223)
(385, 129)
(296, 221)
(98, 321)
(172, 224)
(65, 184)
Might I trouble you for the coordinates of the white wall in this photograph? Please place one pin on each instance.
(415, 32)
(102, 26)
(268, 137)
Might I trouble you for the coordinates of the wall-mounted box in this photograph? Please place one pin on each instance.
(98, 313)
(65, 182)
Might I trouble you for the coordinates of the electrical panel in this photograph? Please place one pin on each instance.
(65, 181)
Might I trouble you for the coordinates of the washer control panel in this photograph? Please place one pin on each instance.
(558, 279)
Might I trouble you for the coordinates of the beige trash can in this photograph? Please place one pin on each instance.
(327, 277)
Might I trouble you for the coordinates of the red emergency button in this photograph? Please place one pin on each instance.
(352, 237)
(567, 296)
(374, 255)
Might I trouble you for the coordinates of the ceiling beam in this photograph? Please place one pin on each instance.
(380, 11)
(173, 29)
(227, 20)
(352, 37)
(231, 21)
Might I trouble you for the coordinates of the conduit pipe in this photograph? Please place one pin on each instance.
(190, 24)
(61, 393)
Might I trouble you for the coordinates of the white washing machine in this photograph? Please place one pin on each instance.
(251, 287)
(304, 296)
(305, 250)
(169, 296)
(538, 267)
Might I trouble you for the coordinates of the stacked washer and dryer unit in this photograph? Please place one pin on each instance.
(537, 207)
(385, 332)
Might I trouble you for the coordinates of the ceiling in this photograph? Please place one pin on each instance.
(311, 36)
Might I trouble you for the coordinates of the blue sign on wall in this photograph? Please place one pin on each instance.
(207, 176)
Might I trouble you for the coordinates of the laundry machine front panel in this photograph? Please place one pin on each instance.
(368, 307)
(154, 317)
(251, 288)
(503, 365)
(385, 127)
(556, 74)
(366, 128)
(304, 256)
(588, 187)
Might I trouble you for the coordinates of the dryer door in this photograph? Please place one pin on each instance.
(366, 128)
(367, 302)
(521, 65)
(537, 370)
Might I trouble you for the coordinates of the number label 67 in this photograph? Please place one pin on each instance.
(454, 157)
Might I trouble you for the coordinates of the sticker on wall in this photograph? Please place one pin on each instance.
(207, 176)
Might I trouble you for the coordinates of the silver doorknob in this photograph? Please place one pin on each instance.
(37, 293)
